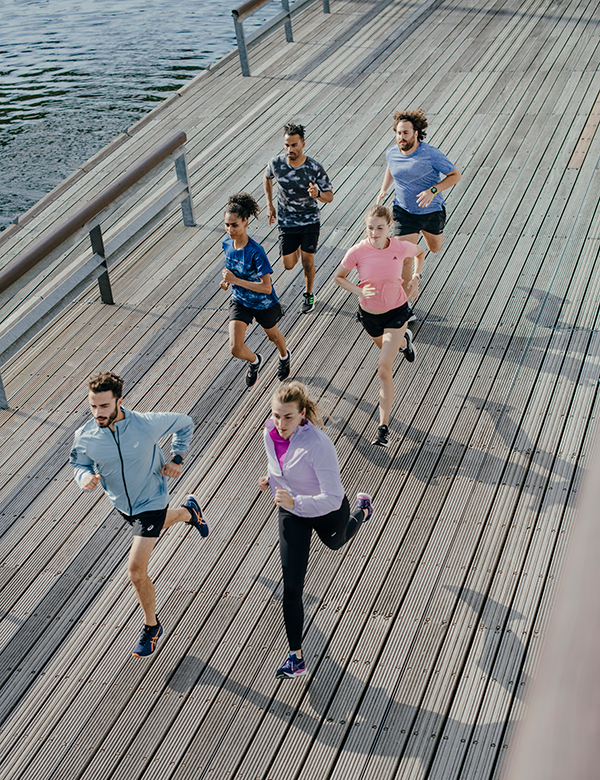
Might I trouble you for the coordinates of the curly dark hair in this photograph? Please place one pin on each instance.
(292, 129)
(242, 204)
(107, 380)
(416, 118)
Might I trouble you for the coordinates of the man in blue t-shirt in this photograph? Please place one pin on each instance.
(420, 172)
(302, 182)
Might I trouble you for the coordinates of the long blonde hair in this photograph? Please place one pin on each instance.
(297, 393)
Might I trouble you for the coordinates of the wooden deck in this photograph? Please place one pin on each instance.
(422, 635)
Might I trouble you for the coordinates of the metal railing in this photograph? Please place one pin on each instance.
(65, 285)
(283, 17)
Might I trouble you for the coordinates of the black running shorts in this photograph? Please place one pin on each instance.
(306, 238)
(375, 324)
(266, 318)
(405, 223)
(147, 524)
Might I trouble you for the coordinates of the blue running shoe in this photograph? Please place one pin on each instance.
(363, 501)
(197, 519)
(148, 640)
(293, 667)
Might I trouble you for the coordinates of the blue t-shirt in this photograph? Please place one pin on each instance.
(295, 207)
(416, 172)
(250, 264)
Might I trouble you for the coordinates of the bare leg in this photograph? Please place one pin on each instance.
(434, 243)
(390, 343)
(289, 261)
(237, 334)
(277, 337)
(179, 515)
(308, 264)
(137, 569)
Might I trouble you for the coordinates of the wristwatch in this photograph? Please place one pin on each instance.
(417, 276)
(434, 190)
(177, 459)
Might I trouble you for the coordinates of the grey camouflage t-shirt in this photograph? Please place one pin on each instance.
(295, 207)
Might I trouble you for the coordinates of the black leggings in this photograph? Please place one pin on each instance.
(334, 530)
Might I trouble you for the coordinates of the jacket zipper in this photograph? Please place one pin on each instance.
(122, 471)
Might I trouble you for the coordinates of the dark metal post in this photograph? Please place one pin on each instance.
(285, 4)
(187, 205)
(241, 42)
(326, 7)
(3, 401)
(103, 280)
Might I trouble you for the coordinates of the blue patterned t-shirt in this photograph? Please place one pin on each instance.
(295, 207)
(250, 263)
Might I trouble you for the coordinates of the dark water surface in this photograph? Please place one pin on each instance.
(73, 75)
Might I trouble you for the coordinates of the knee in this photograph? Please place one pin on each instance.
(384, 370)
(235, 349)
(136, 573)
(289, 261)
(308, 262)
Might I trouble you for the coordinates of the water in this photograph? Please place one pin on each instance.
(73, 75)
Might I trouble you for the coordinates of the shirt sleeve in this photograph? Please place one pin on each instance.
(350, 258)
(327, 471)
(179, 425)
(440, 162)
(261, 260)
(81, 462)
(269, 172)
(323, 181)
(408, 249)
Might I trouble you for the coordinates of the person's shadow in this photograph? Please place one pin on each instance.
(400, 727)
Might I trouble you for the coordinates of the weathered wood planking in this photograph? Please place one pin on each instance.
(490, 429)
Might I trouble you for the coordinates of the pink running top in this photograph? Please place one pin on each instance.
(281, 446)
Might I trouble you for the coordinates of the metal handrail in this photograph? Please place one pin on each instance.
(27, 320)
(30, 258)
(283, 17)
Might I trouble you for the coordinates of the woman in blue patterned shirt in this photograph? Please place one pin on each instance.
(248, 271)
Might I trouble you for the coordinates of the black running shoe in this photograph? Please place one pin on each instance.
(409, 350)
(383, 437)
(284, 367)
(148, 640)
(252, 372)
(308, 303)
(197, 518)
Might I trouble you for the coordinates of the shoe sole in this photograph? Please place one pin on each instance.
(380, 443)
(284, 676)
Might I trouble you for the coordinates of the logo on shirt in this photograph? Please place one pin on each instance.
(136, 444)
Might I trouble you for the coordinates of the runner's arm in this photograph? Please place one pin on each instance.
(424, 198)
(368, 291)
(268, 188)
(385, 185)
(264, 286)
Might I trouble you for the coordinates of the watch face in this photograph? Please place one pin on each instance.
(177, 459)
(434, 190)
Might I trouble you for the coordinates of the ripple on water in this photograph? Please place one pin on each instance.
(75, 73)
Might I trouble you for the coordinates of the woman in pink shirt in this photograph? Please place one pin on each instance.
(383, 309)
(304, 477)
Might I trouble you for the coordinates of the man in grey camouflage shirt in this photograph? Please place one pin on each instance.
(302, 181)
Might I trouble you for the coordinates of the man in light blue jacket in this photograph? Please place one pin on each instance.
(119, 450)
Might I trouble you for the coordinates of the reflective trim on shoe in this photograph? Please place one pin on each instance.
(291, 667)
(252, 372)
(383, 437)
(283, 370)
(197, 518)
(409, 350)
(148, 640)
(308, 302)
(363, 501)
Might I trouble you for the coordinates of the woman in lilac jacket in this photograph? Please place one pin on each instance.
(304, 477)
